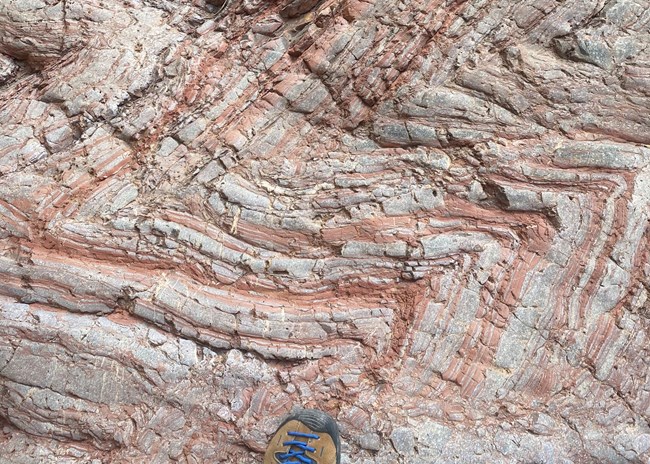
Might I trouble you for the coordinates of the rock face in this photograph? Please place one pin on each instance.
(428, 218)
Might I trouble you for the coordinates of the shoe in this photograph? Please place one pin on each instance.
(306, 437)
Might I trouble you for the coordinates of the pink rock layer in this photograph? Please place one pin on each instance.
(427, 218)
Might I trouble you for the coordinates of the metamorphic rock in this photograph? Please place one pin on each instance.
(428, 218)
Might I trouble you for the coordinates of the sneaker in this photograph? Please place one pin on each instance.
(306, 437)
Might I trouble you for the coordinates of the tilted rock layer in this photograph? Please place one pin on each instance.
(427, 218)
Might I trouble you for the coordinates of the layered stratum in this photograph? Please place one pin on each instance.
(427, 218)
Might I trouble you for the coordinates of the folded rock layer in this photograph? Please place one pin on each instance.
(427, 218)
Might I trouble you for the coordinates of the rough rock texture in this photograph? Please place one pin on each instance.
(428, 218)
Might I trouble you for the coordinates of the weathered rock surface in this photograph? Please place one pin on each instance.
(427, 218)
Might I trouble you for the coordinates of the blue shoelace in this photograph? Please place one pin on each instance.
(298, 453)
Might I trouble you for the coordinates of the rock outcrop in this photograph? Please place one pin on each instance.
(428, 218)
